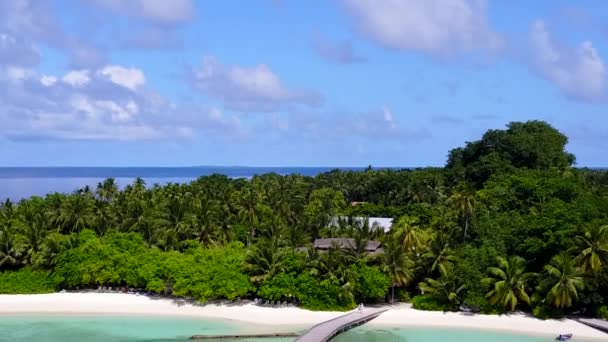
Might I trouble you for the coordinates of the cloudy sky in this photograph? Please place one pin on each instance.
(293, 82)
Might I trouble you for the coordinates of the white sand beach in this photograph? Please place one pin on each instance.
(397, 316)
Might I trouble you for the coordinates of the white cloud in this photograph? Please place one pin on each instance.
(17, 74)
(437, 27)
(77, 78)
(47, 80)
(85, 105)
(255, 88)
(169, 12)
(31, 24)
(388, 118)
(130, 78)
(580, 73)
(88, 105)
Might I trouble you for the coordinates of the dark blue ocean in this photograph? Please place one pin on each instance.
(22, 182)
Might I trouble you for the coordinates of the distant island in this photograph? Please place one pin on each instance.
(507, 225)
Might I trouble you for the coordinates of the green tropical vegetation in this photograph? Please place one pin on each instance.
(508, 224)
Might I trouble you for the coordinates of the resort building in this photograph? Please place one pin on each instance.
(384, 223)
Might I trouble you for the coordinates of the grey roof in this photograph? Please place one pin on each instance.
(349, 243)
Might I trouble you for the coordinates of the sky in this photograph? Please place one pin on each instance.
(294, 82)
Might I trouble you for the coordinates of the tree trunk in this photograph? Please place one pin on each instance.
(466, 227)
(392, 294)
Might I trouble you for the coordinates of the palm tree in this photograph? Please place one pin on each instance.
(396, 265)
(76, 213)
(406, 230)
(295, 236)
(52, 246)
(176, 204)
(446, 288)
(264, 260)
(330, 264)
(225, 216)
(463, 200)
(205, 220)
(248, 211)
(148, 222)
(563, 281)
(508, 282)
(10, 251)
(7, 211)
(107, 190)
(440, 256)
(592, 249)
(33, 233)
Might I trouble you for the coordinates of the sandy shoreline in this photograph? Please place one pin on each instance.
(398, 316)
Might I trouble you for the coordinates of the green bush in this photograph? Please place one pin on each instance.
(404, 296)
(480, 303)
(428, 303)
(368, 283)
(546, 312)
(603, 312)
(325, 295)
(281, 287)
(123, 259)
(27, 281)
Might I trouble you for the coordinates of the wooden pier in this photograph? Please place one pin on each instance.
(598, 324)
(242, 336)
(327, 330)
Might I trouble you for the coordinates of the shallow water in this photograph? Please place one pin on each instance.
(376, 334)
(56, 328)
(116, 329)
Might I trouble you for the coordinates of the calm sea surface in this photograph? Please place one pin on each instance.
(22, 182)
(135, 329)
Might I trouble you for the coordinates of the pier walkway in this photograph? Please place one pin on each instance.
(325, 331)
(598, 324)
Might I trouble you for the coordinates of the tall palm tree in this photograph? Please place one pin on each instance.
(592, 248)
(396, 265)
(33, 233)
(463, 200)
(76, 213)
(406, 230)
(177, 204)
(508, 281)
(248, 211)
(264, 260)
(148, 222)
(10, 251)
(7, 211)
(225, 216)
(563, 281)
(295, 236)
(107, 190)
(205, 220)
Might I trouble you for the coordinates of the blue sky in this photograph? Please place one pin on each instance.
(293, 82)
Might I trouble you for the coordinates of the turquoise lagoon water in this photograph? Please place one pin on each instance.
(118, 329)
(160, 329)
(376, 334)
